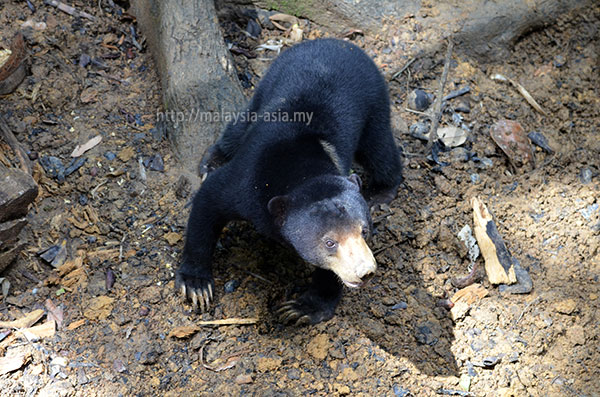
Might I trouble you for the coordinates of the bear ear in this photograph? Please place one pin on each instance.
(354, 178)
(278, 207)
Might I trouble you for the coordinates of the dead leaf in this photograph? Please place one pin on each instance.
(24, 322)
(184, 332)
(173, 237)
(512, 139)
(80, 150)
(99, 308)
(452, 136)
(126, 154)
(470, 294)
(54, 312)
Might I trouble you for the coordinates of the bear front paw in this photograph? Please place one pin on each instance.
(308, 309)
(196, 289)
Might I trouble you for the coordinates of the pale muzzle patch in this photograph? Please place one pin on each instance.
(354, 262)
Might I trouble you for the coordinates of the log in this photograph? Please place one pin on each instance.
(498, 261)
(199, 81)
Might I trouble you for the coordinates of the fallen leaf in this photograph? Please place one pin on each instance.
(24, 322)
(99, 308)
(79, 150)
(512, 139)
(54, 312)
(184, 332)
(173, 237)
(452, 136)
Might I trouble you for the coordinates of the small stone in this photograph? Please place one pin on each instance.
(419, 130)
(463, 106)
(231, 286)
(319, 346)
(585, 176)
(465, 382)
(243, 379)
(566, 306)
(475, 178)
(419, 100)
(559, 61)
(155, 163)
(400, 391)
(110, 156)
(400, 305)
(293, 374)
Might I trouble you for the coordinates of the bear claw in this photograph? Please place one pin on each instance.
(299, 312)
(199, 291)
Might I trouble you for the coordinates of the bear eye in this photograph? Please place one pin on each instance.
(329, 243)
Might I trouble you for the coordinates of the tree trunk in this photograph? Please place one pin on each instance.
(199, 82)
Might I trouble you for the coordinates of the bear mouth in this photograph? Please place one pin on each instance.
(353, 285)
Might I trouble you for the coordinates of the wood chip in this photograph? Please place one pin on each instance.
(184, 332)
(80, 150)
(470, 294)
(10, 364)
(76, 324)
(498, 261)
(24, 322)
(229, 321)
(46, 330)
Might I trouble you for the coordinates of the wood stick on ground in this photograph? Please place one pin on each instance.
(437, 107)
(229, 321)
(69, 10)
(12, 141)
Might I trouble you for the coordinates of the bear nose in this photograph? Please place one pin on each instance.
(367, 277)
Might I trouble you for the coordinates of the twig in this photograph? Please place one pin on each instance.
(94, 190)
(399, 72)
(69, 10)
(12, 141)
(229, 321)
(437, 108)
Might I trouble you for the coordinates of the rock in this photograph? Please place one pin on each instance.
(567, 306)
(266, 364)
(17, 191)
(419, 100)
(8, 256)
(319, 346)
(231, 286)
(243, 379)
(10, 230)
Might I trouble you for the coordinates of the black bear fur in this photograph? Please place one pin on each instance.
(290, 178)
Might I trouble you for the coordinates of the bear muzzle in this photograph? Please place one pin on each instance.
(354, 262)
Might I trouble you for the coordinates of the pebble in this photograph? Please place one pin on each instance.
(110, 155)
(475, 178)
(400, 305)
(419, 100)
(243, 379)
(463, 107)
(588, 211)
(155, 163)
(567, 306)
(231, 286)
(83, 200)
(400, 391)
(585, 176)
(293, 374)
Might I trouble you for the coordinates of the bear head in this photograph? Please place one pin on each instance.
(327, 221)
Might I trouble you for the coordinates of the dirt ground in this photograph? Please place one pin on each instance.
(123, 223)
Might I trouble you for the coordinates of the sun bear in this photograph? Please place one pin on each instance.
(285, 164)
